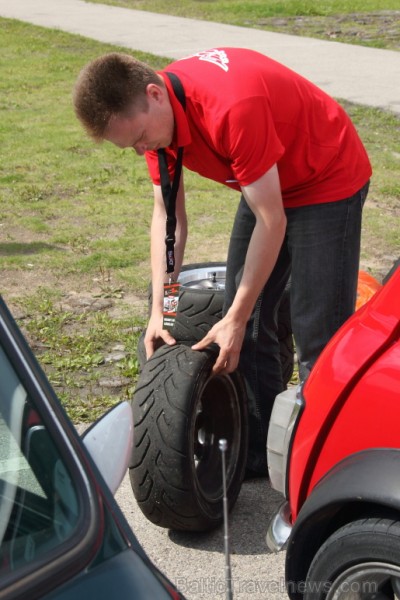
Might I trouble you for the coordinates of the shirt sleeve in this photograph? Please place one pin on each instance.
(249, 138)
(152, 164)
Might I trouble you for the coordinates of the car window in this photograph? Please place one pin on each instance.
(39, 508)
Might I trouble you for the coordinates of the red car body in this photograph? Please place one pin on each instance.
(341, 456)
(352, 396)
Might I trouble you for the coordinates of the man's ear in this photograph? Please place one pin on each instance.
(155, 92)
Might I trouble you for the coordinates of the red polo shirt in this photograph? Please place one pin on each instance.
(245, 112)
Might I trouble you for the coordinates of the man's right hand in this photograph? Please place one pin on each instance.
(156, 335)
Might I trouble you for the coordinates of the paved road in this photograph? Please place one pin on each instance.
(195, 562)
(359, 74)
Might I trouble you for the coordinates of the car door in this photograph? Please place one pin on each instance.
(61, 533)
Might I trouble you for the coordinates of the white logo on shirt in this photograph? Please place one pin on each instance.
(215, 56)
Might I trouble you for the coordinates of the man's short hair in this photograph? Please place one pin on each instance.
(110, 85)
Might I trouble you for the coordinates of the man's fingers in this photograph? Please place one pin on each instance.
(149, 347)
(151, 344)
(220, 365)
(225, 364)
(167, 337)
(202, 344)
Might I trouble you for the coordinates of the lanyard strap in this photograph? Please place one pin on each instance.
(170, 192)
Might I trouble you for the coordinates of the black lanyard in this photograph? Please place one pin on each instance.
(170, 192)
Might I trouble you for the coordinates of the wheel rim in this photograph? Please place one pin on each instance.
(204, 278)
(369, 581)
(217, 416)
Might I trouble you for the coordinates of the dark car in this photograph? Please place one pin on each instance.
(62, 535)
(334, 452)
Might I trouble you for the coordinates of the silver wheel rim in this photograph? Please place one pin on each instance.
(204, 278)
(365, 582)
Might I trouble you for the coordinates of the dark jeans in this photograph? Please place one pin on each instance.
(320, 253)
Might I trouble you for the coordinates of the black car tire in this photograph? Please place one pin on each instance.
(200, 306)
(201, 300)
(180, 413)
(360, 560)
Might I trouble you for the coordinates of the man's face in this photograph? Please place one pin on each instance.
(144, 130)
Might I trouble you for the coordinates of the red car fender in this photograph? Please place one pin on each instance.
(361, 484)
(352, 394)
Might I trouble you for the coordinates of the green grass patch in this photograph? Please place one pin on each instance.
(75, 217)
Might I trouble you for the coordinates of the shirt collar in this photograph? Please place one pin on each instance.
(182, 135)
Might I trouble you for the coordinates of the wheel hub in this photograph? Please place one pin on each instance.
(217, 416)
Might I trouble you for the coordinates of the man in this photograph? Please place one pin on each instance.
(256, 126)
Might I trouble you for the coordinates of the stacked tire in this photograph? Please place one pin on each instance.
(181, 412)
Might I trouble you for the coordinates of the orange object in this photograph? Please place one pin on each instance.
(367, 286)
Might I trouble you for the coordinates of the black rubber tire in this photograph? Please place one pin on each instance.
(349, 561)
(180, 413)
(200, 308)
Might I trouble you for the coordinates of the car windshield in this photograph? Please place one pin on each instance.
(38, 502)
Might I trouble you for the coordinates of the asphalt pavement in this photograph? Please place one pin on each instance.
(195, 562)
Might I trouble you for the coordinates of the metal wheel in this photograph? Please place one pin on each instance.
(370, 581)
(359, 561)
(216, 416)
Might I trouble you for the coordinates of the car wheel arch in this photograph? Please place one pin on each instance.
(361, 485)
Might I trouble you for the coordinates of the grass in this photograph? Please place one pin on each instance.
(373, 23)
(74, 219)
